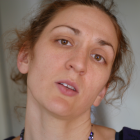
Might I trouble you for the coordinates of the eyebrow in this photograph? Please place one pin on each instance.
(104, 43)
(101, 42)
(76, 31)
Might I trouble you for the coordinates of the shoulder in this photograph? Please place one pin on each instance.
(103, 133)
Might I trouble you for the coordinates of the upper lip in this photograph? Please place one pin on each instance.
(73, 84)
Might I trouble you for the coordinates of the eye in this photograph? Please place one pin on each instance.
(98, 58)
(64, 42)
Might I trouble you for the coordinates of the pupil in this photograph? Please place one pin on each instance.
(64, 42)
(98, 57)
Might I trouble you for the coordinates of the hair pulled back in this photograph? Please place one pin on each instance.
(122, 68)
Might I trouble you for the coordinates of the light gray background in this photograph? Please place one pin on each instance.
(11, 14)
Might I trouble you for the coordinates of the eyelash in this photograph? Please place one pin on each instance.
(59, 41)
(100, 61)
(102, 58)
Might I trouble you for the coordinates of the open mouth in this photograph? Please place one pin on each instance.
(66, 89)
(68, 86)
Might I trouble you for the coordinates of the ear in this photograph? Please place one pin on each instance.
(100, 96)
(23, 60)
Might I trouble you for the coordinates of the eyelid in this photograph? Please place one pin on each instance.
(65, 40)
(100, 56)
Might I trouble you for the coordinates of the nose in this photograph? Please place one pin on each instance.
(77, 62)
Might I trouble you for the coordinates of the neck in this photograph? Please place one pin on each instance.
(41, 124)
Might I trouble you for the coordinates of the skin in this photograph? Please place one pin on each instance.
(82, 59)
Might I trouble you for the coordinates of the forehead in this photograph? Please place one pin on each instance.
(88, 20)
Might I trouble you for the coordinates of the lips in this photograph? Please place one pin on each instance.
(65, 90)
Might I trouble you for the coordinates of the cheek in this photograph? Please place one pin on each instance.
(44, 67)
(95, 81)
(46, 60)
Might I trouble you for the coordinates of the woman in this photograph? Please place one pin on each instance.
(68, 57)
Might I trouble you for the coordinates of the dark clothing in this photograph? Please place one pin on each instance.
(10, 138)
(128, 134)
(124, 134)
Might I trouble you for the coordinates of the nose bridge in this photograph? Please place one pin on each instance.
(80, 55)
(78, 60)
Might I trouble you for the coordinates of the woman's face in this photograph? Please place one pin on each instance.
(78, 48)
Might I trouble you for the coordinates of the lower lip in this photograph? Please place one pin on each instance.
(66, 91)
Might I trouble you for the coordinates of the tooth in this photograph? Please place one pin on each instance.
(65, 84)
(71, 87)
(68, 86)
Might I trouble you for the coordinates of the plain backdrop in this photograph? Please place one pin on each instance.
(12, 15)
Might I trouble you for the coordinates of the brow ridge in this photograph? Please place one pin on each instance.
(104, 43)
(76, 31)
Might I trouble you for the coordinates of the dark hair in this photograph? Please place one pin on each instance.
(122, 68)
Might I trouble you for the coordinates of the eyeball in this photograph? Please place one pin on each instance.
(64, 42)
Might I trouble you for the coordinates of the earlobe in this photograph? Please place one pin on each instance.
(100, 97)
(23, 61)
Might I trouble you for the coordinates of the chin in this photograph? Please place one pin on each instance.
(59, 107)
